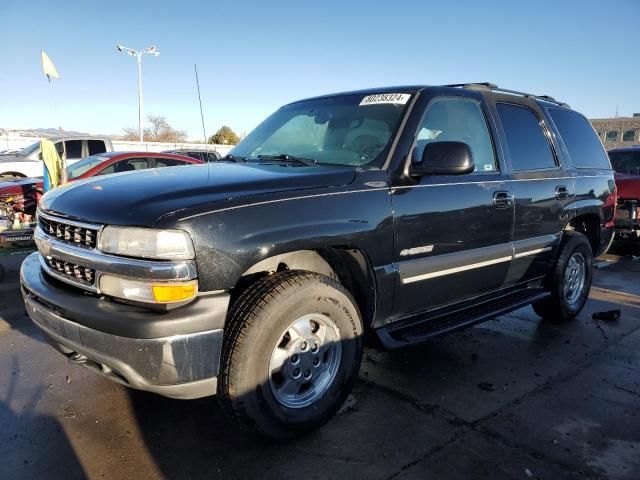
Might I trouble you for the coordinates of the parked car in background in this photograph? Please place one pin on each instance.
(10, 151)
(27, 191)
(27, 162)
(204, 154)
(398, 213)
(626, 163)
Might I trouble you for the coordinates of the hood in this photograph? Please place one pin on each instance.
(141, 198)
(628, 186)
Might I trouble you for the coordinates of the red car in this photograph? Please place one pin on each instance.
(24, 193)
(626, 163)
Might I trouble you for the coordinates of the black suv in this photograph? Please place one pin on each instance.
(395, 214)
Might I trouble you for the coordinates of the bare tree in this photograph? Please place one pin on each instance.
(159, 130)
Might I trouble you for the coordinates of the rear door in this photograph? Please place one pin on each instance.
(541, 186)
(453, 233)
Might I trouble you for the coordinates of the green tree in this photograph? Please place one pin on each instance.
(224, 136)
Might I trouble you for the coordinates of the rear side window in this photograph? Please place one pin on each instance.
(126, 166)
(528, 146)
(583, 145)
(196, 155)
(168, 162)
(457, 120)
(74, 148)
(96, 146)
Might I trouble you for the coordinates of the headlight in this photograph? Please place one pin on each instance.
(146, 243)
(148, 292)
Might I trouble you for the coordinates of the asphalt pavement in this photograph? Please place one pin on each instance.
(513, 398)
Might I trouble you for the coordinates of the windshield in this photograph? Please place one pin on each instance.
(626, 162)
(26, 151)
(84, 165)
(342, 130)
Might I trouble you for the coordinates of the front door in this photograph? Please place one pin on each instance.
(453, 233)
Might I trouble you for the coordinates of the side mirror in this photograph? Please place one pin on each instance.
(444, 158)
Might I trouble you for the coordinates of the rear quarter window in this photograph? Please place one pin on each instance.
(582, 143)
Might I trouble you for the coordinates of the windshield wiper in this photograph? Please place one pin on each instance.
(233, 158)
(284, 157)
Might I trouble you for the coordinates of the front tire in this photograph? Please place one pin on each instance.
(291, 353)
(570, 281)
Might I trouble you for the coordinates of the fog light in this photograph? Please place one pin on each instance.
(148, 292)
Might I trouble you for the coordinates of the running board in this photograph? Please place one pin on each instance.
(427, 326)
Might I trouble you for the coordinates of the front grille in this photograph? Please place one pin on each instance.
(71, 271)
(82, 236)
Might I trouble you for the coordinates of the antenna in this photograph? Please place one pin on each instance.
(195, 68)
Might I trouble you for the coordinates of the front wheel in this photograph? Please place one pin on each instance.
(291, 353)
(570, 281)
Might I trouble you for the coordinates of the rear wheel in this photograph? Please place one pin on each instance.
(291, 353)
(570, 281)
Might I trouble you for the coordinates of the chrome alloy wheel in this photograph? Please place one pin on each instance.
(575, 276)
(305, 361)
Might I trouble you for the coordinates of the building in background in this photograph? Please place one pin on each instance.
(618, 131)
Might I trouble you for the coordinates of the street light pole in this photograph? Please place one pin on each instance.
(140, 108)
(138, 54)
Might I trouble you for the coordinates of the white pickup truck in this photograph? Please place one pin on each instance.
(28, 161)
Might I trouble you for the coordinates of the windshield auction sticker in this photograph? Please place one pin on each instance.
(380, 98)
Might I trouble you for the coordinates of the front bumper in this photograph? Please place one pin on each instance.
(174, 353)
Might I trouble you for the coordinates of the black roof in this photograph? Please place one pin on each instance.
(632, 148)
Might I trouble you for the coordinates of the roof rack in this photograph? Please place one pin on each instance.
(494, 88)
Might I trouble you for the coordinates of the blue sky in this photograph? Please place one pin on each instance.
(254, 56)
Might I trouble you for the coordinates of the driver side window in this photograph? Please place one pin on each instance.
(457, 120)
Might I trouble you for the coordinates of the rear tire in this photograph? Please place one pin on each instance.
(291, 354)
(570, 281)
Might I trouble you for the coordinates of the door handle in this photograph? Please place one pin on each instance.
(562, 192)
(502, 199)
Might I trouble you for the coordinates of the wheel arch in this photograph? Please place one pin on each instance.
(350, 266)
(588, 222)
(13, 174)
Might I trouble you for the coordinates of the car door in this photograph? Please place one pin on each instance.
(453, 233)
(542, 188)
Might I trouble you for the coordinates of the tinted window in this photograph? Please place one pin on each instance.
(583, 145)
(74, 148)
(96, 146)
(168, 162)
(528, 145)
(629, 136)
(196, 155)
(213, 156)
(457, 120)
(611, 137)
(126, 166)
(626, 161)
